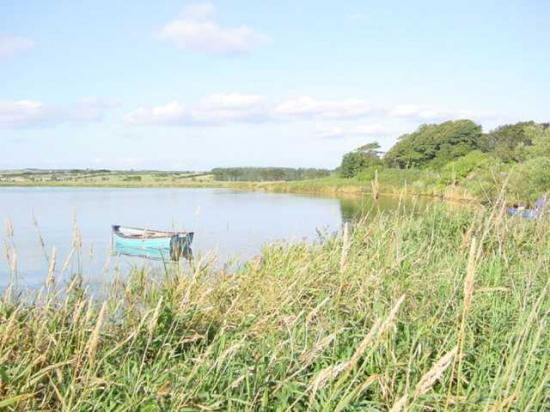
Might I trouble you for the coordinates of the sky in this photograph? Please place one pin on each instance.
(178, 85)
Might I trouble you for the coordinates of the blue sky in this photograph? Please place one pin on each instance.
(194, 85)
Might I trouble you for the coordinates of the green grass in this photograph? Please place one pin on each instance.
(445, 310)
(391, 182)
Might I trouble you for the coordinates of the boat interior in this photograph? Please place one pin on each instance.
(137, 233)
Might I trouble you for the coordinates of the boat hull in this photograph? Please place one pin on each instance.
(161, 247)
(530, 214)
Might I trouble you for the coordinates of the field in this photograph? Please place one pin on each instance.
(390, 182)
(101, 178)
(444, 310)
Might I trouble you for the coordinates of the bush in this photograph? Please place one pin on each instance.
(530, 179)
(463, 167)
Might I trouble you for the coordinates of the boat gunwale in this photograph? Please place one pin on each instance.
(165, 234)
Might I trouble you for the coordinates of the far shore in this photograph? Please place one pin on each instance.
(334, 187)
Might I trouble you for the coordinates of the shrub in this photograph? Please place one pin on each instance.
(530, 179)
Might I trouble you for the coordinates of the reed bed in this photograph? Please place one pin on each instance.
(446, 310)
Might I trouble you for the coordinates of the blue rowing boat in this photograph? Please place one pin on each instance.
(151, 244)
(530, 214)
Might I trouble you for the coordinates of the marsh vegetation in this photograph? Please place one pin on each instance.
(446, 310)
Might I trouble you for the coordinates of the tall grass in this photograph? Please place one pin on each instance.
(447, 310)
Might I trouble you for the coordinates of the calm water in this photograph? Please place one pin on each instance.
(233, 225)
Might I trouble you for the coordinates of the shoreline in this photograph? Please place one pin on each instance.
(317, 188)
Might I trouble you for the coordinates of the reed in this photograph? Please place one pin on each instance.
(444, 310)
(375, 186)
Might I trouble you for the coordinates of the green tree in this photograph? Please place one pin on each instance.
(361, 158)
(370, 148)
(507, 142)
(254, 174)
(434, 144)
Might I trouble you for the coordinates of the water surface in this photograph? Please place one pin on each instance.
(232, 225)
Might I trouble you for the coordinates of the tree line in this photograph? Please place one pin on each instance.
(266, 174)
(459, 150)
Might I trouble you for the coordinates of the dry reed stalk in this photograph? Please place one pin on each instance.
(322, 378)
(332, 372)
(50, 280)
(6, 297)
(227, 353)
(45, 371)
(375, 333)
(434, 374)
(354, 393)
(235, 384)
(375, 186)
(495, 289)
(77, 312)
(67, 261)
(11, 254)
(9, 229)
(501, 212)
(7, 332)
(469, 279)
(467, 236)
(91, 347)
(77, 238)
(190, 283)
(316, 310)
(93, 342)
(58, 394)
(12, 263)
(89, 312)
(400, 404)
(346, 243)
(40, 238)
(426, 381)
(467, 302)
(307, 358)
(202, 358)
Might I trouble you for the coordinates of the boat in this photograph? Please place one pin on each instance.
(152, 244)
(530, 214)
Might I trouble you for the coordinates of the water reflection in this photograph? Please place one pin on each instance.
(355, 208)
(231, 225)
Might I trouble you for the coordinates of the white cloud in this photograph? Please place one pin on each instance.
(309, 107)
(211, 110)
(197, 30)
(330, 109)
(10, 45)
(427, 113)
(223, 108)
(172, 113)
(231, 107)
(24, 113)
(31, 113)
(366, 130)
